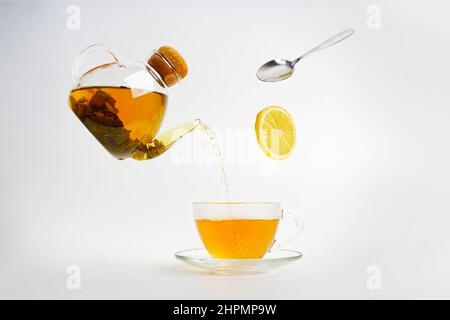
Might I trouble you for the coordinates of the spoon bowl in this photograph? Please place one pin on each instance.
(275, 70)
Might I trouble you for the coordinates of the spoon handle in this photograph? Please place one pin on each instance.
(327, 43)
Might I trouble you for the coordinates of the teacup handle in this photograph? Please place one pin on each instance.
(299, 225)
(77, 63)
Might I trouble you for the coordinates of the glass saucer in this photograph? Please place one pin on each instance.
(200, 258)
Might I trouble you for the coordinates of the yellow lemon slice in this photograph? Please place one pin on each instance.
(275, 132)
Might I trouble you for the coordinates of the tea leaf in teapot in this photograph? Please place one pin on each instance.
(115, 139)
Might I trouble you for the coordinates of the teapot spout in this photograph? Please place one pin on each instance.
(163, 142)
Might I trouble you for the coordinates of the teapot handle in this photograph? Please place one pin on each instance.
(77, 63)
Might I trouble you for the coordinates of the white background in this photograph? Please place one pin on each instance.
(370, 172)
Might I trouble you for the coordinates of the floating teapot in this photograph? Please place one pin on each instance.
(123, 103)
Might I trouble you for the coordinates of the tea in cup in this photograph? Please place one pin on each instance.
(240, 230)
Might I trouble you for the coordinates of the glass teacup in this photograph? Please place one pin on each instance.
(241, 230)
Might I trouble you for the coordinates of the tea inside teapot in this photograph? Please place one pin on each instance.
(116, 118)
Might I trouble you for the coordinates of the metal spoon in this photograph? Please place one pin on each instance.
(279, 69)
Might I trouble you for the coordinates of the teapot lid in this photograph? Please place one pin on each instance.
(169, 64)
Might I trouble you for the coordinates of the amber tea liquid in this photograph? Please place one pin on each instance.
(237, 238)
(119, 117)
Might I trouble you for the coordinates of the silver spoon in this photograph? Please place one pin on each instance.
(279, 69)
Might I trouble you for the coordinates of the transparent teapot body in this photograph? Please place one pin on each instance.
(123, 105)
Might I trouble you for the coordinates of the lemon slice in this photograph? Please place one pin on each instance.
(275, 132)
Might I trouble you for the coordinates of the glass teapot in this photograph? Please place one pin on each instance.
(123, 103)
